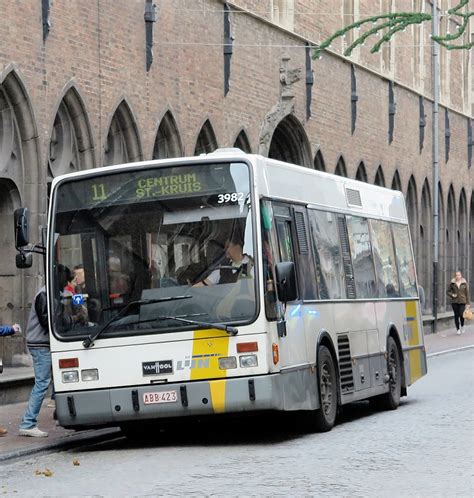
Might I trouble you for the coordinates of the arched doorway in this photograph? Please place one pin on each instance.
(206, 141)
(319, 161)
(361, 174)
(450, 256)
(19, 166)
(463, 235)
(123, 142)
(341, 168)
(290, 144)
(242, 142)
(167, 141)
(70, 146)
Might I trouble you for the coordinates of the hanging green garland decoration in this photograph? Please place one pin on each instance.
(389, 24)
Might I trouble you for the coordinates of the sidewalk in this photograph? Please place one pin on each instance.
(13, 446)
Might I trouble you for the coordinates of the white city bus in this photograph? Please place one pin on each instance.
(228, 283)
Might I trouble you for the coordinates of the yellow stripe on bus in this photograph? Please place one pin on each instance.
(414, 340)
(218, 395)
(208, 347)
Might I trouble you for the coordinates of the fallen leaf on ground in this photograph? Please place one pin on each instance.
(76, 462)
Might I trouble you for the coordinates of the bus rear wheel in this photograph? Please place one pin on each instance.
(325, 417)
(391, 399)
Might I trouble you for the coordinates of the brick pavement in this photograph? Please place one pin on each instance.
(12, 445)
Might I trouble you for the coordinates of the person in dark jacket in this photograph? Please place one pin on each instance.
(37, 340)
(8, 330)
(458, 291)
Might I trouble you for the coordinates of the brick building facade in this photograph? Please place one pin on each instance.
(75, 93)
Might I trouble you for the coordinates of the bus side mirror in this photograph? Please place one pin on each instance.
(21, 227)
(286, 281)
(24, 260)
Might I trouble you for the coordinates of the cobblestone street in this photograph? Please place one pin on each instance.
(423, 449)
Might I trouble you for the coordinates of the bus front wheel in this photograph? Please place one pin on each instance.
(391, 399)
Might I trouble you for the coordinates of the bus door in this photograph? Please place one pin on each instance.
(291, 244)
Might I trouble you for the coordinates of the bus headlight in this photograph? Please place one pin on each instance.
(70, 376)
(249, 360)
(90, 374)
(228, 363)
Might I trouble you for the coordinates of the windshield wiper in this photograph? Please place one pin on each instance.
(89, 341)
(205, 325)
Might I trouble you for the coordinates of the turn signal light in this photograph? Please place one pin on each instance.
(247, 347)
(276, 353)
(69, 363)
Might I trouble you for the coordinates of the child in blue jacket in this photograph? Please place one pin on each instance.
(8, 330)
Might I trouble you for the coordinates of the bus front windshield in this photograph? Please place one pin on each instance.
(150, 248)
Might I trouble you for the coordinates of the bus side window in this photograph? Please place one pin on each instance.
(362, 259)
(384, 258)
(405, 263)
(327, 254)
(305, 265)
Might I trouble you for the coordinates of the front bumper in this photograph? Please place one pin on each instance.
(118, 405)
(292, 391)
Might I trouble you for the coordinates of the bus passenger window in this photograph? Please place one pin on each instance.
(362, 260)
(406, 266)
(384, 259)
(327, 252)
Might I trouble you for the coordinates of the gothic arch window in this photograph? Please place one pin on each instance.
(396, 183)
(412, 210)
(123, 143)
(70, 146)
(341, 168)
(471, 245)
(242, 142)
(379, 177)
(167, 141)
(10, 152)
(441, 249)
(206, 141)
(319, 162)
(424, 253)
(451, 236)
(290, 143)
(361, 174)
(463, 227)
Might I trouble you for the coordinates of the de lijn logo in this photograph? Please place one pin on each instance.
(157, 367)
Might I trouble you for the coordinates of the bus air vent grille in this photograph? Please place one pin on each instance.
(353, 197)
(345, 364)
(301, 233)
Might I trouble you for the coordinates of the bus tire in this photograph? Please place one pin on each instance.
(391, 399)
(324, 418)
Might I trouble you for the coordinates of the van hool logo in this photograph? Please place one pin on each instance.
(157, 367)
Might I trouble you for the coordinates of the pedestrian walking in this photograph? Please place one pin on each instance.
(37, 340)
(458, 291)
(4, 331)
